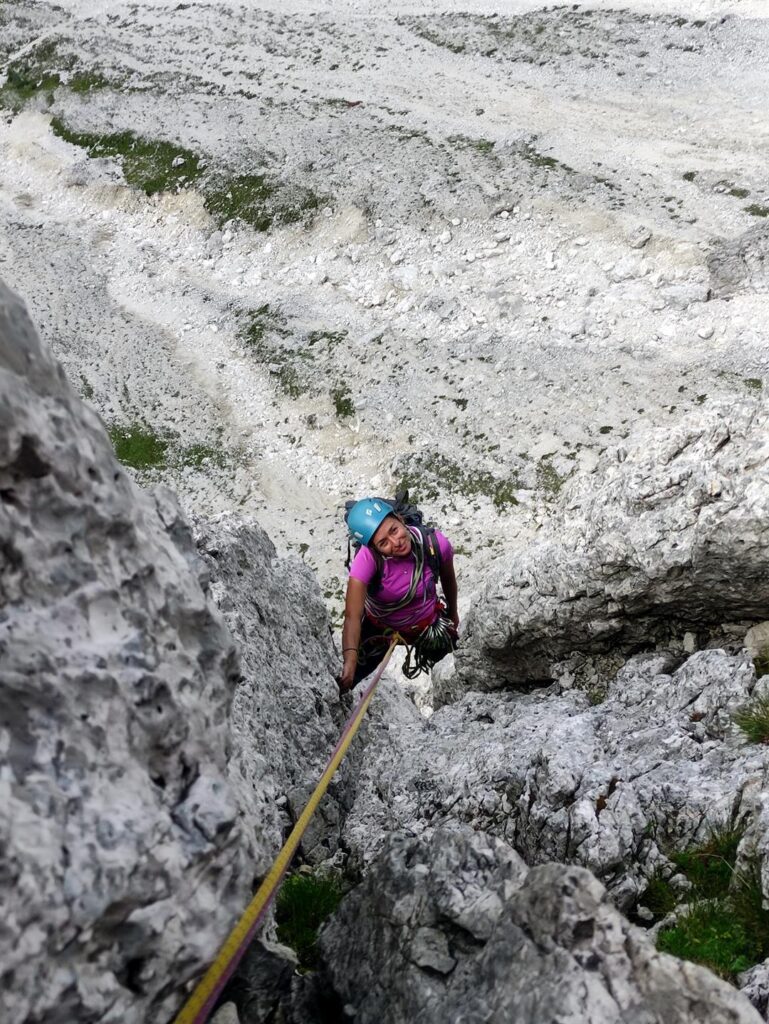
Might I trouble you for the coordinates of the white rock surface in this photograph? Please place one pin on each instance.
(516, 947)
(611, 785)
(147, 772)
(670, 537)
(125, 851)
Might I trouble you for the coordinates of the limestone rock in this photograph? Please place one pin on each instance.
(147, 773)
(263, 982)
(227, 1014)
(612, 786)
(529, 948)
(740, 264)
(757, 642)
(755, 985)
(125, 856)
(286, 713)
(671, 538)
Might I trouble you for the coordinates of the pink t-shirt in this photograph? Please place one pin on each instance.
(396, 579)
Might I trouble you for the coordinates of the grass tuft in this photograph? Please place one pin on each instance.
(304, 902)
(341, 396)
(659, 896)
(149, 165)
(753, 719)
(709, 867)
(138, 446)
(725, 926)
(712, 934)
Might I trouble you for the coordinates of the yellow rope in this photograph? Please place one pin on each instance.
(201, 1002)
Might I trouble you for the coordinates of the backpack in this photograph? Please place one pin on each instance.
(411, 515)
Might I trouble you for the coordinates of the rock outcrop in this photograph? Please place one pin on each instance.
(612, 786)
(672, 538)
(455, 928)
(124, 852)
(137, 802)
(286, 713)
(741, 263)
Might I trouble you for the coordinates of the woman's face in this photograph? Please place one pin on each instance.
(392, 539)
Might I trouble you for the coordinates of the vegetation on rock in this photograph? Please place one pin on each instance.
(304, 903)
(723, 924)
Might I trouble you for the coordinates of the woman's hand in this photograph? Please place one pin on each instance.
(348, 671)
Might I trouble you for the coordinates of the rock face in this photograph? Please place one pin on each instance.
(610, 786)
(673, 538)
(139, 799)
(286, 714)
(740, 263)
(454, 929)
(124, 853)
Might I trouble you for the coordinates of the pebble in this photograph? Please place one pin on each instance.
(705, 332)
(638, 237)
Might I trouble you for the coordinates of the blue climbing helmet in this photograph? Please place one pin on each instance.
(365, 517)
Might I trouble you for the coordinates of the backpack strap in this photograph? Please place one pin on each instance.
(432, 550)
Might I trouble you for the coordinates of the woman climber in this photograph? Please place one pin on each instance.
(392, 589)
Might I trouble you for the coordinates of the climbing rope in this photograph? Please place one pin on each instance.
(203, 999)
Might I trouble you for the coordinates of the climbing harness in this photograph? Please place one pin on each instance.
(203, 999)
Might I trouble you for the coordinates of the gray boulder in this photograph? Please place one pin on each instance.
(671, 538)
(125, 856)
(612, 786)
(740, 264)
(147, 773)
(286, 712)
(454, 929)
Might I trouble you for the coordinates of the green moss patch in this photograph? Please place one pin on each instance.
(258, 324)
(262, 332)
(757, 210)
(548, 479)
(304, 902)
(138, 446)
(34, 74)
(142, 448)
(341, 396)
(428, 475)
(150, 166)
(724, 925)
(258, 200)
(155, 165)
(42, 71)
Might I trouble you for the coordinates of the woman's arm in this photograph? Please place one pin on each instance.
(353, 613)
(449, 585)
